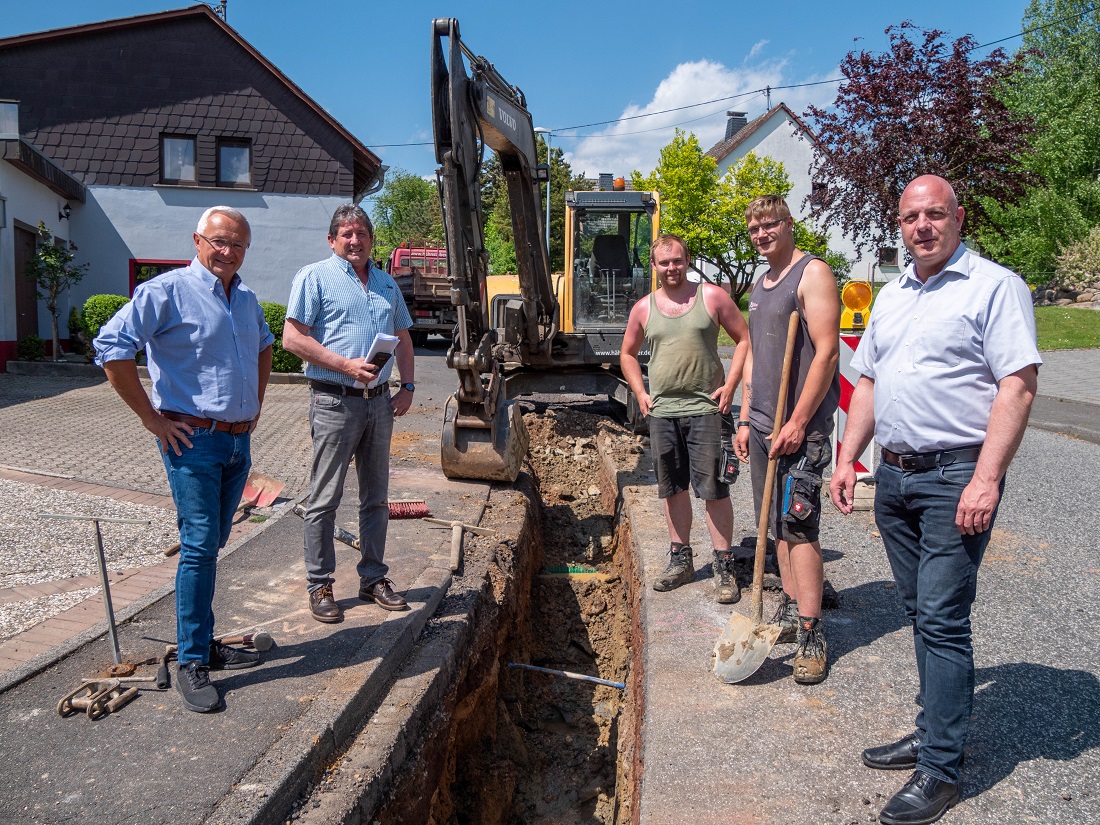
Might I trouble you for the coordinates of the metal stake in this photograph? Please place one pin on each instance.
(102, 562)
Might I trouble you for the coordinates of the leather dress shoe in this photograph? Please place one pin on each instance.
(897, 756)
(383, 595)
(923, 800)
(323, 605)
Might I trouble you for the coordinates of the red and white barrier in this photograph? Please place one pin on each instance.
(848, 379)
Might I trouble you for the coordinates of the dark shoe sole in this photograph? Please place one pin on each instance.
(928, 820)
(238, 666)
(327, 619)
(365, 598)
(881, 766)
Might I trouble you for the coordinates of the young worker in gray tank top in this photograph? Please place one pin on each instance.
(688, 395)
(794, 282)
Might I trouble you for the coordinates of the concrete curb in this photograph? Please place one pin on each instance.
(268, 791)
(32, 667)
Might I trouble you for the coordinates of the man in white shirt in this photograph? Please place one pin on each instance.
(948, 370)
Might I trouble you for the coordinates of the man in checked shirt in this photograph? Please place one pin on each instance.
(337, 306)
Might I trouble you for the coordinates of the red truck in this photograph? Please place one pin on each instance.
(421, 273)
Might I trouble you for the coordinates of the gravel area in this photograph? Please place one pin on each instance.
(35, 550)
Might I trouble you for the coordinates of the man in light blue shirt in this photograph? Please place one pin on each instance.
(337, 307)
(209, 354)
(948, 370)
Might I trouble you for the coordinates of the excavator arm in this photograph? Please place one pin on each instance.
(483, 433)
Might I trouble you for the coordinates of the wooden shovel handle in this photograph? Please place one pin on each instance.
(769, 479)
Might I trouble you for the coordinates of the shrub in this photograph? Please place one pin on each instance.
(30, 348)
(76, 323)
(1079, 264)
(99, 309)
(281, 360)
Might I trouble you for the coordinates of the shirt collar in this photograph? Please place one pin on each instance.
(348, 268)
(958, 263)
(209, 278)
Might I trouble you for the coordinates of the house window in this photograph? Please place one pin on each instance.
(142, 271)
(177, 159)
(234, 162)
(888, 256)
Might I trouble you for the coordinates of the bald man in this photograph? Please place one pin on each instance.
(948, 370)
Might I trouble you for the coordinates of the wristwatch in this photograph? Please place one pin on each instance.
(409, 385)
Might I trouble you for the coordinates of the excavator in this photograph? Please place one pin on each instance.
(532, 331)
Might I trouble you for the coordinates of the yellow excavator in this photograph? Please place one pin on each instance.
(534, 331)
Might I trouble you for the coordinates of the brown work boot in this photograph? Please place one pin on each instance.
(811, 658)
(680, 569)
(323, 606)
(383, 595)
(726, 590)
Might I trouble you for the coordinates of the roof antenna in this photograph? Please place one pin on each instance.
(767, 89)
(223, 10)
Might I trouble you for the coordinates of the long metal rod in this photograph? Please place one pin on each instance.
(578, 676)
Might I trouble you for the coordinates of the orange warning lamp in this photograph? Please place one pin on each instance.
(856, 297)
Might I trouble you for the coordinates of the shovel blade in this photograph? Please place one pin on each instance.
(742, 648)
(261, 490)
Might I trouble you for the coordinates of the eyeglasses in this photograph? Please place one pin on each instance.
(764, 227)
(222, 245)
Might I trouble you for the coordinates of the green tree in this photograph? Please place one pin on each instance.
(708, 211)
(53, 271)
(1059, 88)
(406, 211)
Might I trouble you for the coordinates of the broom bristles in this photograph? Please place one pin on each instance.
(408, 508)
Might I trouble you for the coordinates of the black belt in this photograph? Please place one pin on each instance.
(341, 389)
(915, 462)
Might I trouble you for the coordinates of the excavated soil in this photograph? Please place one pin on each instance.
(526, 746)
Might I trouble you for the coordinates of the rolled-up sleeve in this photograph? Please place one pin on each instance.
(131, 328)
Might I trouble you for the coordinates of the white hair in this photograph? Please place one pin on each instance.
(228, 211)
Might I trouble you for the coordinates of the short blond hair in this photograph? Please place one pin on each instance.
(771, 207)
(668, 239)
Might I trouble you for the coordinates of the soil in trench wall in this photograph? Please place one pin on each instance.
(526, 747)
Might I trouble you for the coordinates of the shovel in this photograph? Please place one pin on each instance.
(745, 643)
(259, 491)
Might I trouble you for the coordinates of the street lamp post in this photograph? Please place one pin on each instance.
(549, 134)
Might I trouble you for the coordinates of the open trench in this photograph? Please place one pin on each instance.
(510, 745)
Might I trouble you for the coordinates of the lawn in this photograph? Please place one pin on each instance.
(1056, 327)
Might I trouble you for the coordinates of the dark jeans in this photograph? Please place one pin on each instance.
(207, 481)
(344, 428)
(936, 571)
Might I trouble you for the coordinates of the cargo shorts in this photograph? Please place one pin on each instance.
(796, 501)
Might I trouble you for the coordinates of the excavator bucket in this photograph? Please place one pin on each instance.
(487, 450)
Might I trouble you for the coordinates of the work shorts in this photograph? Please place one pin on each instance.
(688, 449)
(796, 502)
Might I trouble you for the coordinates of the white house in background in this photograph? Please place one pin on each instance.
(779, 134)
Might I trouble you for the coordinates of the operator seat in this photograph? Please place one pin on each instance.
(610, 252)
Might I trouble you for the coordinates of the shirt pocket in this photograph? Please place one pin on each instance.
(940, 343)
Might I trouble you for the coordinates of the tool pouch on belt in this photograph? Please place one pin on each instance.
(801, 494)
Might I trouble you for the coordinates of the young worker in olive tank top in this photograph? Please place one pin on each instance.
(687, 397)
(794, 282)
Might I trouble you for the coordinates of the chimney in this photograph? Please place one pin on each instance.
(737, 121)
(606, 181)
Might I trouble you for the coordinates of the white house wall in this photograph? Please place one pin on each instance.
(118, 224)
(28, 201)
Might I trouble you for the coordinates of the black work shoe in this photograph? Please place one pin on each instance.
(383, 595)
(897, 756)
(224, 657)
(680, 569)
(725, 582)
(923, 800)
(323, 605)
(786, 616)
(811, 658)
(194, 685)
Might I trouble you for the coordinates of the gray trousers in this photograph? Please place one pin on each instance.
(345, 427)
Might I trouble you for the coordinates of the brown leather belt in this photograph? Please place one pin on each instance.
(342, 389)
(231, 427)
(915, 462)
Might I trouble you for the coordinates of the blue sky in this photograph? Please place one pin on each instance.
(576, 62)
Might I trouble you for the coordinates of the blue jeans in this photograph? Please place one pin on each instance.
(344, 427)
(207, 482)
(936, 571)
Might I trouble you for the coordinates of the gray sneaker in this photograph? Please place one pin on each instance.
(680, 570)
(726, 590)
(786, 616)
(195, 689)
(811, 659)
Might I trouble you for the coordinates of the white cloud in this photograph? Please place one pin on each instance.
(627, 145)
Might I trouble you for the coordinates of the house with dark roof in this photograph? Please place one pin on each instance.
(779, 134)
(118, 135)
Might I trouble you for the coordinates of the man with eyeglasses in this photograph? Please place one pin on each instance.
(209, 353)
(337, 307)
(794, 282)
(948, 370)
